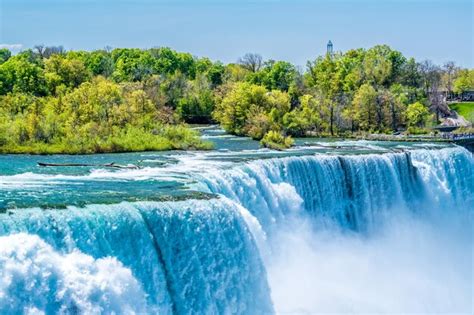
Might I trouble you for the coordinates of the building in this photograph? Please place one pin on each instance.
(330, 50)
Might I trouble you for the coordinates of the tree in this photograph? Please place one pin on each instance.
(364, 106)
(432, 82)
(416, 115)
(215, 74)
(166, 60)
(132, 65)
(5, 54)
(232, 112)
(377, 66)
(19, 74)
(251, 61)
(278, 75)
(410, 74)
(464, 81)
(60, 70)
(430, 76)
(324, 78)
(244, 105)
(236, 73)
(304, 118)
(198, 102)
(40, 50)
(449, 75)
(44, 52)
(100, 62)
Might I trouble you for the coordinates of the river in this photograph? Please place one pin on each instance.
(329, 226)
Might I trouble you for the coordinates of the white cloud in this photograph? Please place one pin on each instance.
(11, 46)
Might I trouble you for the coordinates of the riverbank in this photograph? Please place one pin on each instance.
(171, 137)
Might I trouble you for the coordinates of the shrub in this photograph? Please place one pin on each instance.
(417, 131)
(275, 140)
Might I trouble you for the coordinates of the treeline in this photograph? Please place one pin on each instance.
(53, 101)
(131, 99)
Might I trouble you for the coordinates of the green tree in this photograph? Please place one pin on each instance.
(377, 66)
(133, 64)
(364, 106)
(100, 62)
(464, 81)
(5, 54)
(198, 103)
(60, 70)
(276, 75)
(324, 77)
(20, 74)
(233, 110)
(416, 115)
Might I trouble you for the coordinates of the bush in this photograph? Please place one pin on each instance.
(275, 140)
(464, 130)
(417, 131)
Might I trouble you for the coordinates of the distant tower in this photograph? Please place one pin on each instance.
(330, 49)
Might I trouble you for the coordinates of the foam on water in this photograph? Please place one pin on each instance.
(366, 234)
(35, 278)
(370, 233)
(193, 256)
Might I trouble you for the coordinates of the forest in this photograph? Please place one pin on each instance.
(128, 99)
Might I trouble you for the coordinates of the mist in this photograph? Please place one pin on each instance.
(408, 265)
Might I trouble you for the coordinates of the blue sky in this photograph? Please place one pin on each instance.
(293, 30)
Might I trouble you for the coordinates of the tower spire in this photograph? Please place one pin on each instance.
(330, 48)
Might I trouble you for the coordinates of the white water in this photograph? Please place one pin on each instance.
(388, 233)
(34, 278)
(400, 240)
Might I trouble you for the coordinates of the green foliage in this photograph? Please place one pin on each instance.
(20, 74)
(304, 118)
(412, 130)
(232, 112)
(137, 99)
(198, 103)
(275, 140)
(465, 109)
(5, 54)
(465, 81)
(378, 66)
(100, 62)
(364, 106)
(277, 75)
(251, 109)
(62, 71)
(98, 116)
(416, 115)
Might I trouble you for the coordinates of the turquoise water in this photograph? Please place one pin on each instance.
(328, 226)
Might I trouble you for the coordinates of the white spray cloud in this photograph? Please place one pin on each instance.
(34, 278)
(409, 266)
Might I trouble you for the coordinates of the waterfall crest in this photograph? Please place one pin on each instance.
(352, 191)
(212, 256)
(192, 256)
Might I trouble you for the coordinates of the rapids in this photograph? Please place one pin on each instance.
(320, 229)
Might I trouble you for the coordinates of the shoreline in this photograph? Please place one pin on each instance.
(380, 137)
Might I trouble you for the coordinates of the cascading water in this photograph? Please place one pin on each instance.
(193, 256)
(362, 233)
(350, 190)
(309, 234)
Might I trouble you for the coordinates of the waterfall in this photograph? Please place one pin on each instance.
(193, 256)
(284, 235)
(353, 191)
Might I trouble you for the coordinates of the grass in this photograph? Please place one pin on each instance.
(465, 109)
(131, 139)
